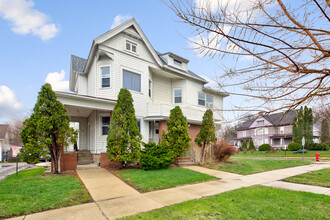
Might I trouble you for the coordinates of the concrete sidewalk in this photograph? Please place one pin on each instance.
(114, 198)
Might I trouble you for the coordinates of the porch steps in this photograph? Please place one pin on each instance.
(185, 161)
(85, 157)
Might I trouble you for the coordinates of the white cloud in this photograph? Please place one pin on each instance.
(120, 19)
(9, 104)
(27, 20)
(56, 80)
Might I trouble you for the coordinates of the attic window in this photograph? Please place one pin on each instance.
(177, 62)
(131, 46)
(260, 122)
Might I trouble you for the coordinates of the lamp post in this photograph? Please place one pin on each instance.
(303, 145)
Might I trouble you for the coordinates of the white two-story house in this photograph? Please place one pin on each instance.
(124, 58)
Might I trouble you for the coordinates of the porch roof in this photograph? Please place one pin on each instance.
(84, 101)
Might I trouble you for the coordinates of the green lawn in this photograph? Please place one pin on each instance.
(282, 154)
(151, 180)
(247, 166)
(257, 202)
(30, 192)
(317, 178)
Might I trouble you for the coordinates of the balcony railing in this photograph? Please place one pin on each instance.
(192, 113)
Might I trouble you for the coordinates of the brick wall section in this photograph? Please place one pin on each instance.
(161, 126)
(68, 161)
(96, 158)
(193, 131)
(105, 162)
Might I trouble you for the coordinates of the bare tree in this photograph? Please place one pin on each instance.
(286, 43)
(15, 128)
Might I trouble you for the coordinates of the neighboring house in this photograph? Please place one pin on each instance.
(274, 129)
(124, 58)
(5, 145)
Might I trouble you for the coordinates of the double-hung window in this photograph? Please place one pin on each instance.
(201, 98)
(209, 101)
(131, 80)
(131, 46)
(105, 76)
(178, 96)
(105, 125)
(281, 130)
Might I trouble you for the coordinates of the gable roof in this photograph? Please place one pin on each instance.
(276, 119)
(3, 130)
(78, 64)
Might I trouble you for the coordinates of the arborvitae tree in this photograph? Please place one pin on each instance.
(47, 130)
(124, 138)
(303, 126)
(244, 145)
(251, 145)
(295, 131)
(308, 114)
(325, 131)
(206, 134)
(177, 137)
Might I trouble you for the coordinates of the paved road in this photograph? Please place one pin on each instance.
(7, 169)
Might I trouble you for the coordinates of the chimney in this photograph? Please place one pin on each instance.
(260, 113)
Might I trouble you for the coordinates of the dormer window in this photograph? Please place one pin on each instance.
(261, 122)
(177, 62)
(131, 46)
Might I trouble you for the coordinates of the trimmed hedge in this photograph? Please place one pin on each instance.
(294, 146)
(319, 146)
(155, 156)
(265, 147)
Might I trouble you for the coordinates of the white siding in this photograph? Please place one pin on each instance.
(162, 89)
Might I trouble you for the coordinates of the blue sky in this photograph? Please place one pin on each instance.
(33, 48)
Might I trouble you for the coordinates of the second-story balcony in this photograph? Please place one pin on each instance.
(193, 114)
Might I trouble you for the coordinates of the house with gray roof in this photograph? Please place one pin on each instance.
(274, 129)
(124, 58)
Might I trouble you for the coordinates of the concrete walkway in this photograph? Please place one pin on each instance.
(114, 198)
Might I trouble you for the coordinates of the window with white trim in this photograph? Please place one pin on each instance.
(281, 130)
(131, 46)
(266, 141)
(261, 122)
(209, 101)
(244, 133)
(131, 80)
(177, 95)
(105, 124)
(177, 62)
(139, 123)
(201, 98)
(260, 141)
(150, 88)
(266, 131)
(259, 132)
(105, 71)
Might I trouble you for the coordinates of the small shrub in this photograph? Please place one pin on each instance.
(294, 146)
(265, 147)
(222, 150)
(155, 156)
(319, 146)
(251, 146)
